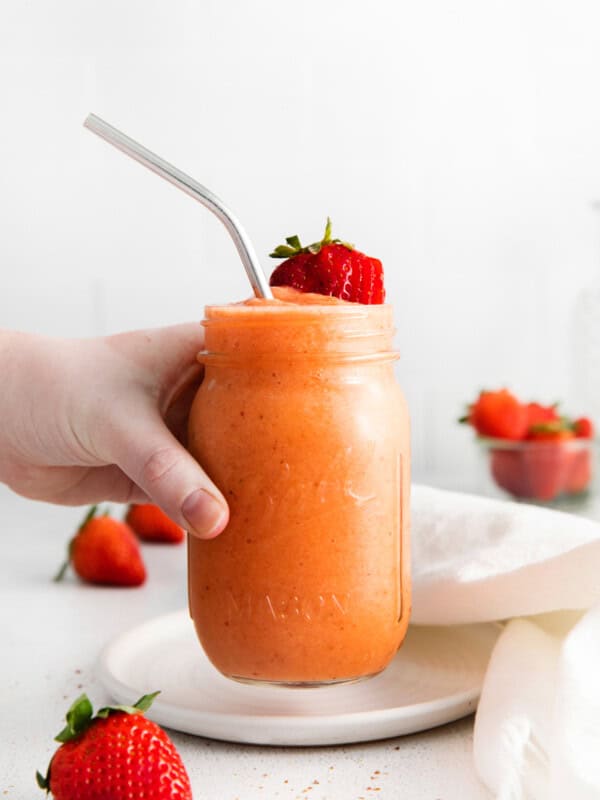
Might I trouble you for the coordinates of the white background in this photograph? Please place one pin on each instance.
(457, 141)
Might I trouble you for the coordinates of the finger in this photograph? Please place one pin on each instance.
(77, 486)
(155, 461)
(104, 485)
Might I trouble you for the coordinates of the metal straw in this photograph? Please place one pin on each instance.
(194, 189)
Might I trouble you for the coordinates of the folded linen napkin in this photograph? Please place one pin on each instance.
(537, 729)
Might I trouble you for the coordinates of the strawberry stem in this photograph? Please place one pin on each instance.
(91, 513)
(62, 571)
(88, 517)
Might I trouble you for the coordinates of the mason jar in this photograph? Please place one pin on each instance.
(301, 424)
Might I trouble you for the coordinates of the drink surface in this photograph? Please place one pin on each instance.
(301, 424)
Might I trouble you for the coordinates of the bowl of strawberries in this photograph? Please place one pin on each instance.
(534, 452)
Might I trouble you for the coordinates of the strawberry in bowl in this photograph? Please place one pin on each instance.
(535, 453)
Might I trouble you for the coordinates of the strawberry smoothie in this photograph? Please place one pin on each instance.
(301, 424)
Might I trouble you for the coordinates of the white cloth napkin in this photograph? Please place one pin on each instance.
(537, 729)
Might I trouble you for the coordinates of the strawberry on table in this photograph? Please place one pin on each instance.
(116, 755)
(151, 524)
(105, 551)
(330, 267)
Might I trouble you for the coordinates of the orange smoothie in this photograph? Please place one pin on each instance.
(301, 424)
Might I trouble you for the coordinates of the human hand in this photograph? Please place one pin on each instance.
(104, 419)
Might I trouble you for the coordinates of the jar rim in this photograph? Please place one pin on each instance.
(326, 358)
(241, 313)
(298, 329)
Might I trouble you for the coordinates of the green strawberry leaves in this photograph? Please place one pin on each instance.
(293, 246)
(285, 251)
(294, 242)
(43, 781)
(143, 704)
(79, 717)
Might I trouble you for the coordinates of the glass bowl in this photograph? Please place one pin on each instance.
(542, 471)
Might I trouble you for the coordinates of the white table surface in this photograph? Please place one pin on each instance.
(51, 635)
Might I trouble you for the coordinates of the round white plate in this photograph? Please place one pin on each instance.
(435, 678)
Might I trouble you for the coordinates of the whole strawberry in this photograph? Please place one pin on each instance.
(151, 524)
(498, 414)
(583, 428)
(116, 755)
(538, 414)
(329, 267)
(105, 551)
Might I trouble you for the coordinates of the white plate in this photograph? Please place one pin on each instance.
(435, 678)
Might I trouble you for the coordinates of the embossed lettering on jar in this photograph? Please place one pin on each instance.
(302, 425)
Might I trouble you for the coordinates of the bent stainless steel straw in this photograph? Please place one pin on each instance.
(194, 189)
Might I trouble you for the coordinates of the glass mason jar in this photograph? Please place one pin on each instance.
(300, 422)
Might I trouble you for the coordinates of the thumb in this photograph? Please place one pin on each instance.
(153, 458)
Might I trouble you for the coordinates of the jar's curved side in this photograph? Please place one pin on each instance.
(309, 582)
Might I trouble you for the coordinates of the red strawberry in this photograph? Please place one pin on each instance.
(329, 267)
(538, 414)
(499, 415)
(116, 755)
(151, 524)
(105, 551)
(583, 428)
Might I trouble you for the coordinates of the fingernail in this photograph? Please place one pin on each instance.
(204, 513)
